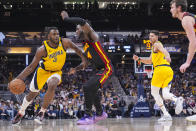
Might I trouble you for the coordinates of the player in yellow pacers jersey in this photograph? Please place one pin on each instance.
(51, 57)
(162, 76)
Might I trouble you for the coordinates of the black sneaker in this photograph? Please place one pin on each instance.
(17, 119)
(39, 117)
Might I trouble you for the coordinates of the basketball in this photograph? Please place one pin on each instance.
(17, 86)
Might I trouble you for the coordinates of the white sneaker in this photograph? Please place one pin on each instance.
(165, 118)
(191, 118)
(191, 127)
(179, 105)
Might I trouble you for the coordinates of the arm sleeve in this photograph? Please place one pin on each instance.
(75, 20)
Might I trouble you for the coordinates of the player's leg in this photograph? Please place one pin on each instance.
(158, 79)
(100, 115)
(90, 88)
(166, 91)
(26, 102)
(159, 102)
(169, 96)
(52, 82)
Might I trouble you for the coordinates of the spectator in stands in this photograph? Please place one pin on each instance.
(122, 105)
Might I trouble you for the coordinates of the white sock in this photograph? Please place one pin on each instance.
(158, 99)
(24, 105)
(163, 109)
(167, 95)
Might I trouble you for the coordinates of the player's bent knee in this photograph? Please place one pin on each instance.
(165, 95)
(154, 91)
(52, 83)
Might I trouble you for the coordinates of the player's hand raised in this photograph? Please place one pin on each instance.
(64, 14)
(135, 57)
(72, 71)
(184, 67)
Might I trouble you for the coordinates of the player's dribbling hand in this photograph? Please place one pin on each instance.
(135, 57)
(72, 71)
(184, 67)
(64, 14)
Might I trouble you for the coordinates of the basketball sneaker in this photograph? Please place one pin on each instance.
(17, 119)
(191, 118)
(179, 105)
(86, 120)
(39, 117)
(102, 117)
(165, 118)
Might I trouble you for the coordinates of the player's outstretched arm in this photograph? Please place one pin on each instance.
(84, 25)
(188, 25)
(29, 69)
(145, 61)
(67, 43)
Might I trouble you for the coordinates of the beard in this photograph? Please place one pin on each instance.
(175, 15)
(54, 42)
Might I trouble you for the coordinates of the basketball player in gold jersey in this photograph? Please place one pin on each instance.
(188, 20)
(162, 77)
(51, 57)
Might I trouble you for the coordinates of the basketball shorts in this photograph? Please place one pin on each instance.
(162, 76)
(41, 77)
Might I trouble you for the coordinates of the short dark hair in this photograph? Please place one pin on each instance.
(48, 29)
(182, 3)
(156, 32)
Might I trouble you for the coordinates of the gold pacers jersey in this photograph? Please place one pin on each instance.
(55, 58)
(158, 58)
(163, 73)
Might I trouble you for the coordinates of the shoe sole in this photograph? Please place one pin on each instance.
(105, 117)
(38, 121)
(190, 120)
(165, 120)
(16, 124)
(85, 123)
(100, 120)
